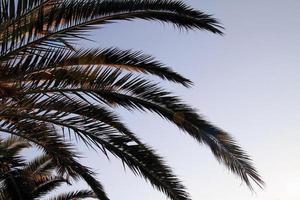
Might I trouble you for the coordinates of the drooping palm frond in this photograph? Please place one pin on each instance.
(76, 195)
(62, 154)
(143, 161)
(114, 58)
(46, 186)
(58, 22)
(110, 87)
(47, 85)
(34, 179)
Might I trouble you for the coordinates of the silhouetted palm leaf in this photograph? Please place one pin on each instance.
(76, 195)
(33, 179)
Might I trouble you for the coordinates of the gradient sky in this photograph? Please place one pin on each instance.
(246, 82)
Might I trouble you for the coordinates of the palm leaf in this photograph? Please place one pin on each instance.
(81, 194)
(26, 183)
(113, 88)
(47, 186)
(157, 173)
(113, 58)
(46, 138)
(69, 19)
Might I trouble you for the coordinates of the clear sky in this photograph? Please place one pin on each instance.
(246, 82)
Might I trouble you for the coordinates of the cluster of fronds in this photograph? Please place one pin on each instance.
(46, 85)
(22, 180)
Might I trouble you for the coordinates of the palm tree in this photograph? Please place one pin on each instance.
(21, 180)
(52, 91)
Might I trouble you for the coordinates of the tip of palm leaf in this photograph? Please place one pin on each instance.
(217, 29)
(186, 83)
(257, 181)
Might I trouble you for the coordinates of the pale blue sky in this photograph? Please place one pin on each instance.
(246, 82)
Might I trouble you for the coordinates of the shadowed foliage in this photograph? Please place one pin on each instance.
(51, 92)
(23, 180)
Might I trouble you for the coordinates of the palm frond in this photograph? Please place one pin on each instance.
(70, 19)
(14, 145)
(138, 157)
(10, 149)
(113, 88)
(35, 179)
(48, 185)
(113, 58)
(48, 140)
(105, 120)
(81, 194)
(40, 168)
